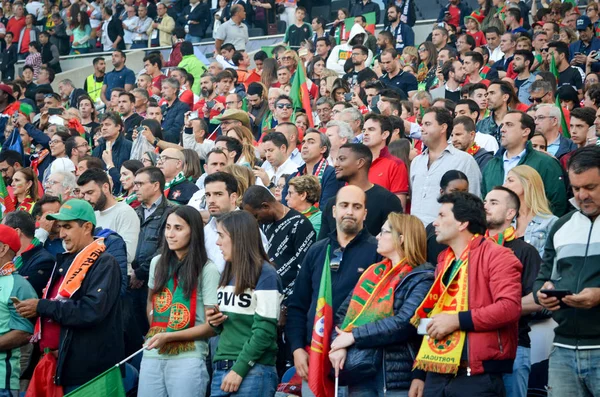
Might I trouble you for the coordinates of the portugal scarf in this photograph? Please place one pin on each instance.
(443, 356)
(373, 296)
(473, 149)
(173, 312)
(7, 269)
(179, 178)
(19, 259)
(72, 281)
(503, 237)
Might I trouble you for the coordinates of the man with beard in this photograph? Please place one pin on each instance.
(210, 104)
(463, 138)
(120, 77)
(394, 77)
(501, 208)
(113, 148)
(499, 94)
(258, 108)
(93, 83)
(454, 75)
(521, 64)
(352, 167)
(358, 57)
(348, 250)
(10, 162)
(130, 119)
(403, 35)
(69, 93)
(385, 40)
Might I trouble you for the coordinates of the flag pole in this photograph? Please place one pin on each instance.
(133, 355)
(337, 380)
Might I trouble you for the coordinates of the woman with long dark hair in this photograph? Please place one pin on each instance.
(25, 189)
(81, 34)
(127, 173)
(427, 66)
(269, 73)
(250, 295)
(182, 286)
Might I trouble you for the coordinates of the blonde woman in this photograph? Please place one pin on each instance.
(303, 195)
(244, 135)
(535, 218)
(381, 319)
(244, 176)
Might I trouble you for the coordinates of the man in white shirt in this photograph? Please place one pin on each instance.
(221, 198)
(492, 36)
(216, 160)
(275, 147)
(140, 37)
(129, 24)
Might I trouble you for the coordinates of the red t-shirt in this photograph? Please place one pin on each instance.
(485, 82)
(15, 26)
(51, 329)
(389, 172)
(187, 96)
(156, 81)
(479, 38)
(253, 77)
(454, 16)
(25, 42)
(213, 113)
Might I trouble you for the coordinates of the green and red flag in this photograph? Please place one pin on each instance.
(108, 383)
(299, 93)
(563, 121)
(6, 202)
(553, 68)
(343, 32)
(319, 365)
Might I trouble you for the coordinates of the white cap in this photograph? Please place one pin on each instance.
(62, 164)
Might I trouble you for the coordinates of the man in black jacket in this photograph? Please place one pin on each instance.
(33, 261)
(363, 7)
(69, 93)
(114, 30)
(60, 38)
(195, 18)
(8, 59)
(50, 53)
(149, 186)
(88, 319)
(351, 250)
(173, 111)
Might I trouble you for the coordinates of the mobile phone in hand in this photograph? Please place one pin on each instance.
(15, 300)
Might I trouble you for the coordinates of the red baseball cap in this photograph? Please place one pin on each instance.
(10, 237)
(8, 89)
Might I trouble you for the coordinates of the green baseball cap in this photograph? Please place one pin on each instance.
(75, 210)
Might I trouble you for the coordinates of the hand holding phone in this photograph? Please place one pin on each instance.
(15, 300)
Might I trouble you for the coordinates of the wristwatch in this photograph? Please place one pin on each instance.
(155, 142)
(271, 185)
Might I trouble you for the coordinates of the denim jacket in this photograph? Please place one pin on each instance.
(537, 231)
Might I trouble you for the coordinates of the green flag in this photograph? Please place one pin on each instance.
(108, 384)
(553, 68)
(7, 204)
(563, 121)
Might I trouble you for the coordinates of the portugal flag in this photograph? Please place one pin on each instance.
(371, 20)
(6, 202)
(319, 365)
(299, 93)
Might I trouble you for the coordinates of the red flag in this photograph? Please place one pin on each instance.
(299, 93)
(319, 365)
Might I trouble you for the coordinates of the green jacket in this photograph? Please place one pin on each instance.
(548, 167)
(196, 68)
(570, 261)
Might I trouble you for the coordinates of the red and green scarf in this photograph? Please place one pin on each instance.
(373, 296)
(443, 356)
(172, 312)
(179, 178)
(311, 211)
(19, 259)
(503, 237)
(473, 149)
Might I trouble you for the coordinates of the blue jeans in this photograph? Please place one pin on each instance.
(516, 383)
(178, 377)
(139, 45)
(574, 373)
(374, 387)
(8, 393)
(261, 381)
(192, 39)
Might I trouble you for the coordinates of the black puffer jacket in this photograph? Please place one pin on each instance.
(395, 334)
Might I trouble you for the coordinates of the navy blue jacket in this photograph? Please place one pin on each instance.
(173, 121)
(359, 9)
(329, 185)
(201, 14)
(115, 246)
(395, 334)
(464, 11)
(37, 267)
(358, 255)
(578, 47)
(565, 146)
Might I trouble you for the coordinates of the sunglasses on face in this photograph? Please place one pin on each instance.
(284, 106)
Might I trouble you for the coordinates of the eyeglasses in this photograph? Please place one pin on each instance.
(422, 50)
(85, 144)
(545, 49)
(537, 100)
(540, 118)
(52, 143)
(286, 58)
(284, 106)
(162, 159)
(48, 184)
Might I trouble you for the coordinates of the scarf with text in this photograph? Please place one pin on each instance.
(373, 296)
(503, 237)
(73, 280)
(450, 296)
(172, 312)
(7, 269)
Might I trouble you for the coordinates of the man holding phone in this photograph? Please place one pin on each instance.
(568, 283)
(15, 331)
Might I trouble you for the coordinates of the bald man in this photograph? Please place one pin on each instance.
(351, 250)
(178, 188)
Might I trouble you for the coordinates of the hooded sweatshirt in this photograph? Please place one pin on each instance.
(343, 52)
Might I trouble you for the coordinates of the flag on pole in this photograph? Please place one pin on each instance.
(553, 68)
(6, 202)
(319, 365)
(106, 384)
(563, 121)
(299, 93)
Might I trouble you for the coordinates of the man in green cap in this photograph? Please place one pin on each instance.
(79, 317)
